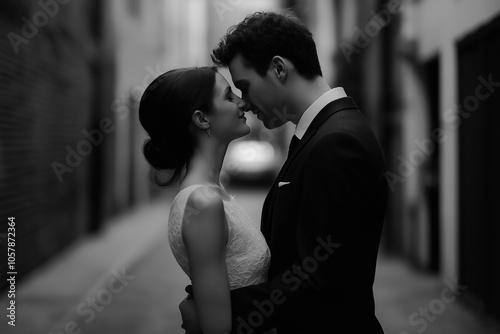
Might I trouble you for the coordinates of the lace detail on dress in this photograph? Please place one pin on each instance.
(247, 253)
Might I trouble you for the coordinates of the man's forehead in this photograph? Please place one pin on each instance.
(239, 64)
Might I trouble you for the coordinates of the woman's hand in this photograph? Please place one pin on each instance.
(189, 319)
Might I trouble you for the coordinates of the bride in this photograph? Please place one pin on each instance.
(191, 115)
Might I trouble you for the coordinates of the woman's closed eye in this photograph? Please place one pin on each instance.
(230, 95)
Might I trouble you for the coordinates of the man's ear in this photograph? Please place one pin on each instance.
(279, 67)
(200, 120)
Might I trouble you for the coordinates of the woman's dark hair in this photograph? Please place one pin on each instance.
(263, 35)
(165, 113)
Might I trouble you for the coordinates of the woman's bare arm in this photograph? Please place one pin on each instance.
(204, 231)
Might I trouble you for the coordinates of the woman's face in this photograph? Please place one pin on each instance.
(227, 120)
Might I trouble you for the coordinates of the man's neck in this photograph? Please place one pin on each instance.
(304, 93)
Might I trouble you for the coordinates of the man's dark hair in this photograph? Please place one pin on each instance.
(263, 35)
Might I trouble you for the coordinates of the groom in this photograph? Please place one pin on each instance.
(323, 216)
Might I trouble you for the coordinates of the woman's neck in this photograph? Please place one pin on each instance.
(206, 163)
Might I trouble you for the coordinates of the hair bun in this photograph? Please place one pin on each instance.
(165, 112)
(161, 156)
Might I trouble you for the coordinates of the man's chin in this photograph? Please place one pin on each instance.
(269, 127)
(269, 122)
(272, 123)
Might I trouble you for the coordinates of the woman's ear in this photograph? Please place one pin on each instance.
(200, 120)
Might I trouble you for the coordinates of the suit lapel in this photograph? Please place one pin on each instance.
(329, 110)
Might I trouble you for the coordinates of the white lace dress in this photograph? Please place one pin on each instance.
(247, 253)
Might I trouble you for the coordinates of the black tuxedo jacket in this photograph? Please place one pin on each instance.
(322, 220)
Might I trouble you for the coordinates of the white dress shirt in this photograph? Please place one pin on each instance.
(313, 110)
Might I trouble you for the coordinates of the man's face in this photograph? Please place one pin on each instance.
(261, 93)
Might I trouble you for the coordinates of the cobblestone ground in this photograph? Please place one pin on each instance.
(59, 298)
(409, 301)
(148, 305)
(149, 302)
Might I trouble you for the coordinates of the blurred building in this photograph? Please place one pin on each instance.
(56, 70)
(426, 75)
(72, 73)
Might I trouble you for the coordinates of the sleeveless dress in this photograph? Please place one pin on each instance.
(247, 253)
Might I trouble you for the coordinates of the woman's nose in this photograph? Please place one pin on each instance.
(242, 104)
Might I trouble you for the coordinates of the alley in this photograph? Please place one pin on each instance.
(84, 236)
(408, 301)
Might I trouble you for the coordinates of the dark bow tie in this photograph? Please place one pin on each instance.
(293, 143)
